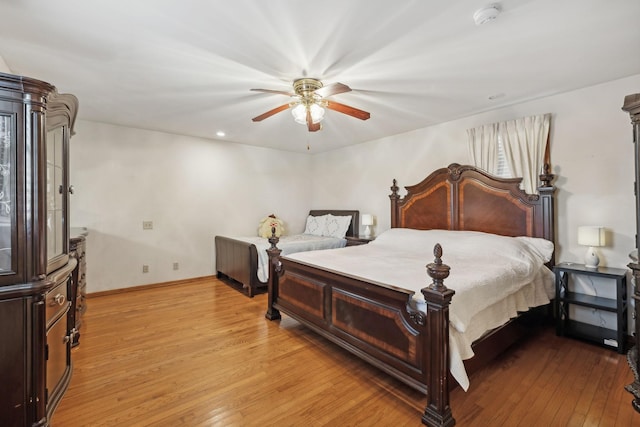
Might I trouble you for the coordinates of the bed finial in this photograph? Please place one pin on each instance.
(273, 239)
(546, 176)
(394, 188)
(437, 270)
(437, 252)
(395, 197)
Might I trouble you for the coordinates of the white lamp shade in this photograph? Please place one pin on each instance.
(299, 113)
(367, 221)
(591, 236)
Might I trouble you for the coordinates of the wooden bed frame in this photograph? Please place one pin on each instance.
(410, 345)
(237, 260)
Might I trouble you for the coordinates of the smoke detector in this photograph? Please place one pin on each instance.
(486, 14)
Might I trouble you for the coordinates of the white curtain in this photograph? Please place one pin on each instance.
(524, 142)
(483, 147)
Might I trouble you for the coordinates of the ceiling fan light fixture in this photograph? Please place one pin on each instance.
(299, 113)
(309, 102)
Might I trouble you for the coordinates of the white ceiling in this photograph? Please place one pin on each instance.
(186, 67)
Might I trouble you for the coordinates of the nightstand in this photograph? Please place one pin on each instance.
(357, 240)
(565, 297)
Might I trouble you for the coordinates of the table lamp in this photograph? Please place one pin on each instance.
(591, 237)
(367, 221)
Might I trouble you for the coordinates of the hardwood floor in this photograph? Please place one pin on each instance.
(202, 354)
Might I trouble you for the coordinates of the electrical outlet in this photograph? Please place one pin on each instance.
(176, 266)
(147, 225)
(145, 268)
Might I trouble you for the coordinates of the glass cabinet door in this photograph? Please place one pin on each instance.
(56, 192)
(7, 192)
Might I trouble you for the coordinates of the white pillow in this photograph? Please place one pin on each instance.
(337, 226)
(316, 225)
(542, 247)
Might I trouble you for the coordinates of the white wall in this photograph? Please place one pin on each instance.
(192, 189)
(4, 68)
(591, 154)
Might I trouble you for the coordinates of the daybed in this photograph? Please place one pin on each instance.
(381, 321)
(241, 259)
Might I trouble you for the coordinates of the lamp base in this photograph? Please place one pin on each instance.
(591, 259)
(367, 231)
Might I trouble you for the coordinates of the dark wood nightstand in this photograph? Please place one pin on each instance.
(566, 297)
(357, 240)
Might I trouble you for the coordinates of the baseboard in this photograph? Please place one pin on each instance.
(150, 286)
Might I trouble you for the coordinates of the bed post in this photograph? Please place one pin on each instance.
(274, 270)
(394, 196)
(546, 191)
(438, 298)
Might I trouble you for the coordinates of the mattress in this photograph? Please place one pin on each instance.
(289, 245)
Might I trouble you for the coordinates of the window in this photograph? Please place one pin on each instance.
(502, 170)
(515, 148)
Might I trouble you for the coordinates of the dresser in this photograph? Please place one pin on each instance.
(78, 250)
(36, 123)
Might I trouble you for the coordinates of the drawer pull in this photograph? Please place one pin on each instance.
(59, 299)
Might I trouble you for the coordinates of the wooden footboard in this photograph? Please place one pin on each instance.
(405, 343)
(238, 260)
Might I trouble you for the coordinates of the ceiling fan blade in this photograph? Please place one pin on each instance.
(345, 109)
(280, 92)
(332, 89)
(313, 127)
(270, 113)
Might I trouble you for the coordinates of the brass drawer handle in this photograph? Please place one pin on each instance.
(59, 299)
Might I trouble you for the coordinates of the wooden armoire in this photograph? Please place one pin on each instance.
(632, 106)
(35, 267)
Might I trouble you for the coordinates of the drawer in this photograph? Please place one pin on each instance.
(58, 361)
(57, 302)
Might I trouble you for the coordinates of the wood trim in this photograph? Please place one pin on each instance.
(149, 286)
(451, 196)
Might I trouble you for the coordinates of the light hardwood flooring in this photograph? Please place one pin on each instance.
(202, 354)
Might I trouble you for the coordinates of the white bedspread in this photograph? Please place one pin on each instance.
(290, 245)
(493, 276)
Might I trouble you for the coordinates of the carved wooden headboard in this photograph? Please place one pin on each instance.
(465, 198)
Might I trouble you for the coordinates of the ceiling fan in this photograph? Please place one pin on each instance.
(309, 102)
